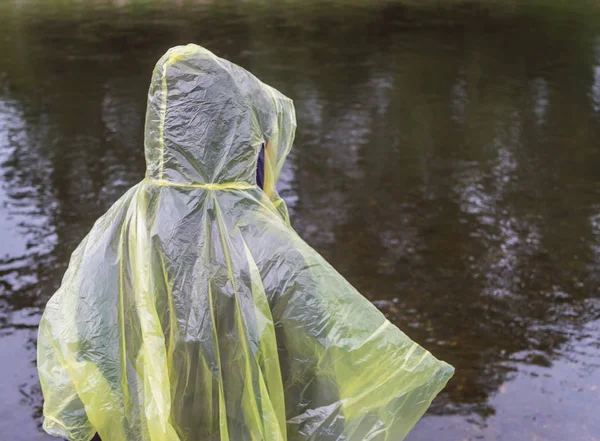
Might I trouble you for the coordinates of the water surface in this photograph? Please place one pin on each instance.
(446, 162)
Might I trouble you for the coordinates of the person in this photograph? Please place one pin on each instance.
(193, 311)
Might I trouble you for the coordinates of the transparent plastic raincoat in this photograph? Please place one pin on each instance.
(193, 311)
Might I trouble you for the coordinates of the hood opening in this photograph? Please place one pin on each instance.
(260, 168)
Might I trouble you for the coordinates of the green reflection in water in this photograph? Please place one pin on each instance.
(446, 162)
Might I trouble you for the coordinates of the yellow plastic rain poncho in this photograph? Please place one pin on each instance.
(193, 311)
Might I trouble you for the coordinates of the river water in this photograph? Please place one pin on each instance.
(447, 162)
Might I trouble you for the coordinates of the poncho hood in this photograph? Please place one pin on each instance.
(207, 119)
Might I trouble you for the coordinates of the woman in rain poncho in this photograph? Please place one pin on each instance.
(192, 311)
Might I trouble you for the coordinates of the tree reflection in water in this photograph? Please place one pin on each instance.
(446, 163)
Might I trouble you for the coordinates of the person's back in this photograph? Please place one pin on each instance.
(192, 311)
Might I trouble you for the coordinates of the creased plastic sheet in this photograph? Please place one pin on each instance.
(193, 311)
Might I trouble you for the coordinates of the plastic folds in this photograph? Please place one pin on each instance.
(192, 311)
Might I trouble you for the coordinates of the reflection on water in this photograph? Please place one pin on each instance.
(446, 163)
